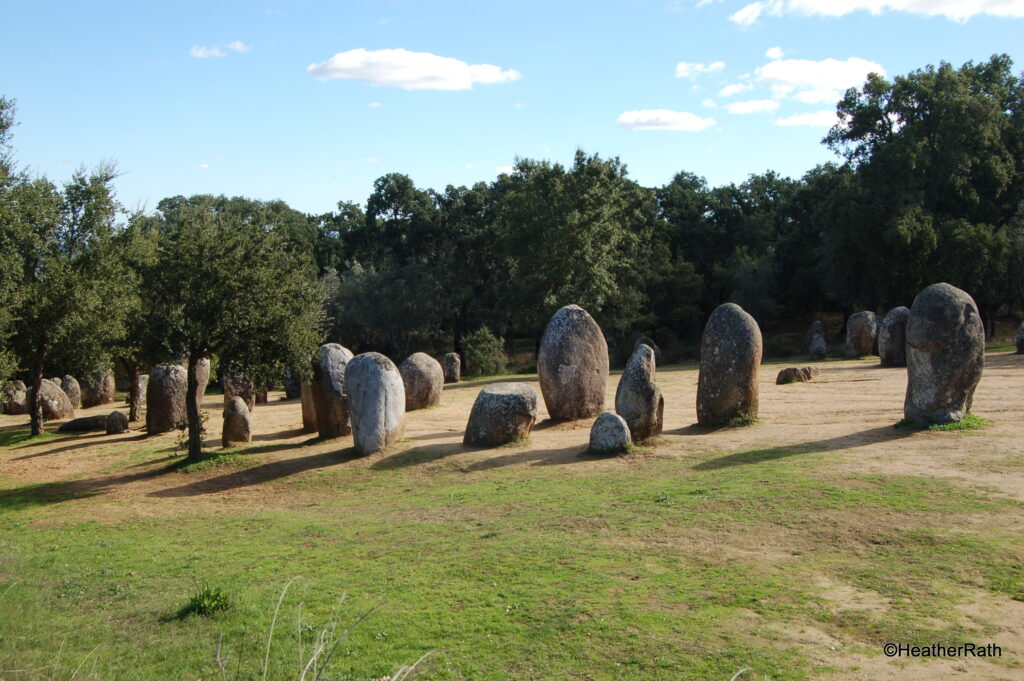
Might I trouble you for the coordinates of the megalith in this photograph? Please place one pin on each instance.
(730, 354)
(423, 379)
(572, 365)
(638, 398)
(376, 398)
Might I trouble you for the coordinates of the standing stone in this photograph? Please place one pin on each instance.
(56, 404)
(14, 398)
(892, 337)
(644, 340)
(292, 384)
(502, 413)
(452, 368)
(97, 389)
(423, 379)
(817, 345)
(237, 384)
(1020, 339)
(572, 365)
(308, 408)
(116, 423)
(376, 398)
(237, 422)
(609, 435)
(945, 355)
(203, 380)
(69, 384)
(261, 394)
(142, 385)
(730, 354)
(165, 398)
(638, 399)
(330, 398)
(57, 382)
(861, 331)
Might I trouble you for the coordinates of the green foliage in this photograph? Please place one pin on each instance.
(484, 353)
(968, 422)
(743, 421)
(206, 602)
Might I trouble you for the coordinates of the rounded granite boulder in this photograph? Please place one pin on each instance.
(502, 413)
(572, 365)
(730, 354)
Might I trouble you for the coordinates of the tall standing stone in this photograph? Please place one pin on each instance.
(572, 365)
(376, 402)
(165, 398)
(97, 389)
(237, 422)
(139, 394)
(892, 337)
(861, 331)
(638, 399)
(71, 388)
(452, 368)
(502, 413)
(423, 379)
(203, 380)
(730, 354)
(945, 355)
(330, 396)
(308, 408)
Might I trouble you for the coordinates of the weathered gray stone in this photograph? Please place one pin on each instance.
(423, 379)
(84, 424)
(572, 365)
(237, 384)
(452, 368)
(292, 384)
(69, 384)
(638, 398)
(330, 396)
(817, 343)
(57, 382)
(56, 404)
(609, 435)
(892, 337)
(502, 413)
(797, 375)
(861, 332)
(308, 408)
(97, 389)
(237, 422)
(165, 398)
(14, 398)
(644, 340)
(376, 397)
(142, 385)
(1020, 339)
(203, 380)
(730, 354)
(116, 423)
(945, 355)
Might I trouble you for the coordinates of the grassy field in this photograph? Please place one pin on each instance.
(507, 564)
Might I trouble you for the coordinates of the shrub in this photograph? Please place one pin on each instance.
(484, 353)
(207, 601)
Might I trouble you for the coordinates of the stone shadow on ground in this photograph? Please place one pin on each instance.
(77, 442)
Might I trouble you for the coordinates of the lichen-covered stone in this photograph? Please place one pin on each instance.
(69, 384)
(141, 387)
(55, 403)
(572, 365)
(14, 398)
(730, 354)
(116, 423)
(609, 435)
(638, 398)
(330, 396)
(892, 337)
(644, 340)
(423, 378)
(237, 422)
(797, 375)
(502, 413)
(376, 397)
(165, 398)
(861, 332)
(452, 368)
(97, 389)
(945, 355)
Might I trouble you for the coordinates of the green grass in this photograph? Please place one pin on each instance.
(743, 421)
(968, 422)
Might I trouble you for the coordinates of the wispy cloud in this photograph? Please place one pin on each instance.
(735, 88)
(663, 119)
(375, 105)
(505, 170)
(956, 10)
(409, 70)
(685, 69)
(370, 159)
(823, 118)
(786, 75)
(203, 166)
(219, 50)
(752, 106)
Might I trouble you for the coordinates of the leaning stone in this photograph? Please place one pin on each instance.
(502, 413)
(644, 340)
(55, 403)
(861, 331)
(730, 354)
(572, 365)
(308, 408)
(165, 398)
(452, 368)
(797, 375)
(69, 384)
(97, 389)
(330, 397)
(376, 398)
(945, 355)
(423, 379)
(638, 399)
(609, 435)
(14, 398)
(892, 337)
(116, 423)
(237, 422)
(84, 424)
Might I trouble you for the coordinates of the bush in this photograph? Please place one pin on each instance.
(484, 353)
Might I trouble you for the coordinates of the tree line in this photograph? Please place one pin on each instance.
(928, 186)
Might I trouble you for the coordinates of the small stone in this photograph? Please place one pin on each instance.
(423, 379)
(797, 375)
(116, 423)
(237, 422)
(502, 413)
(609, 435)
(452, 368)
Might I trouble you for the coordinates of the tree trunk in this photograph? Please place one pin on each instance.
(132, 369)
(195, 423)
(35, 405)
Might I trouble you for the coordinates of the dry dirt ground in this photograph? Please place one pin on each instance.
(850, 408)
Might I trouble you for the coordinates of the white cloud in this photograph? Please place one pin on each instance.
(818, 96)
(663, 119)
(219, 50)
(752, 106)
(709, 104)
(823, 118)
(735, 88)
(957, 10)
(370, 159)
(375, 105)
(786, 75)
(774, 53)
(409, 70)
(204, 166)
(505, 170)
(470, 166)
(686, 69)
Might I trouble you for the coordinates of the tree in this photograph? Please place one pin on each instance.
(234, 289)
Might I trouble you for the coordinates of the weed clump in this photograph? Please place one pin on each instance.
(968, 422)
(206, 602)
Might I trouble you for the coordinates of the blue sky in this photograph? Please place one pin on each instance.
(310, 102)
